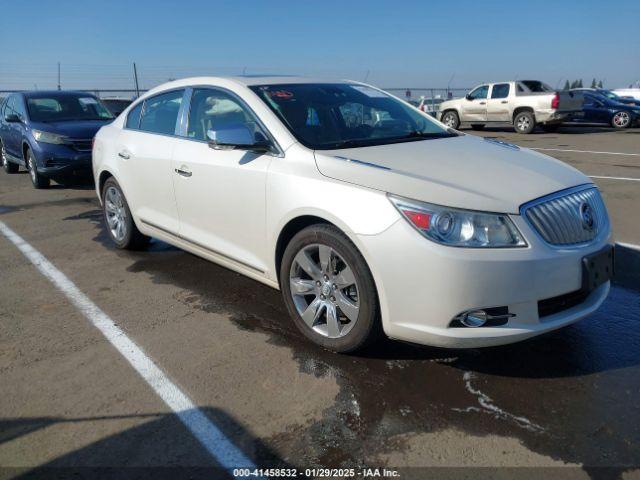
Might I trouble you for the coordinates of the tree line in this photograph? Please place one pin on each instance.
(578, 84)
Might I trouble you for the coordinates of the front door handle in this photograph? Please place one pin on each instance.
(183, 171)
(125, 155)
(483, 103)
(504, 101)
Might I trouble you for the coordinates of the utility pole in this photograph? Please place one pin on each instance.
(135, 77)
(59, 87)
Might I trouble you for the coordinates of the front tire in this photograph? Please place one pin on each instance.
(451, 119)
(621, 119)
(118, 219)
(37, 180)
(329, 290)
(524, 122)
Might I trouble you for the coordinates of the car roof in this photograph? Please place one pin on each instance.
(247, 80)
(54, 93)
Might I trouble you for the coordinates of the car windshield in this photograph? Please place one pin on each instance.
(60, 108)
(341, 115)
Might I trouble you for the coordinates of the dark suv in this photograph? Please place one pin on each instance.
(50, 133)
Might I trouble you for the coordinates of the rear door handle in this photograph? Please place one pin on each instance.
(183, 171)
(504, 101)
(125, 155)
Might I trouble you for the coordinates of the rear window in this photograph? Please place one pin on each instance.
(537, 87)
(500, 90)
(161, 113)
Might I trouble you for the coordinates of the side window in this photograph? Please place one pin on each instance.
(500, 90)
(133, 118)
(480, 92)
(161, 113)
(19, 107)
(216, 110)
(9, 105)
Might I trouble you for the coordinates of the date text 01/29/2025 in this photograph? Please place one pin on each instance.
(315, 473)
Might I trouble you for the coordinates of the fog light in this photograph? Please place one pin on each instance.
(473, 319)
(482, 317)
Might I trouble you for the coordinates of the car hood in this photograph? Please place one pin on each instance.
(464, 172)
(72, 129)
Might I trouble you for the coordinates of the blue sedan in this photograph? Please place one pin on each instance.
(598, 108)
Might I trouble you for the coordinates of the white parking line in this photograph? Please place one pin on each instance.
(208, 434)
(584, 151)
(630, 179)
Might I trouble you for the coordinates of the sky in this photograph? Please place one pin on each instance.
(390, 44)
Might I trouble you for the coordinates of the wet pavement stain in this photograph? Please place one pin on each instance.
(570, 395)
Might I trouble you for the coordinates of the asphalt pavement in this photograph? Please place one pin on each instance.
(71, 401)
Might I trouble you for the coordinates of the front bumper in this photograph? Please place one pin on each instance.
(63, 161)
(422, 286)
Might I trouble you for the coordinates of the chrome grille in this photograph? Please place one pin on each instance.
(560, 219)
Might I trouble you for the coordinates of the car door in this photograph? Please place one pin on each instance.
(221, 193)
(474, 105)
(13, 130)
(595, 111)
(145, 149)
(498, 103)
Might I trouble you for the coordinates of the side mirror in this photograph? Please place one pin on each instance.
(237, 137)
(12, 118)
(468, 97)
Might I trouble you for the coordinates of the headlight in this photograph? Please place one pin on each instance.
(47, 137)
(459, 228)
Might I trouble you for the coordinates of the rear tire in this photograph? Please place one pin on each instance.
(337, 296)
(524, 122)
(37, 180)
(451, 119)
(621, 119)
(477, 126)
(550, 127)
(8, 166)
(118, 219)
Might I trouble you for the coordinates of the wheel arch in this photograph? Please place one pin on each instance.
(290, 229)
(520, 110)
(25, 148)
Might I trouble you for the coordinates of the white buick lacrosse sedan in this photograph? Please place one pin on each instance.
(369, 215)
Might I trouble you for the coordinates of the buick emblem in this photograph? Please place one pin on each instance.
(586, 216)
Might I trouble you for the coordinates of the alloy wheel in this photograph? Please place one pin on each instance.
(523, 123)
(449, 121)
(116, 213)
(32, 168)
(324, 290)
(621, 119)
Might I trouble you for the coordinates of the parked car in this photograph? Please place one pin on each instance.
(50, 134)
(430, 105)
(390, 222)
(524, 104)
(628, 92)
(599, 109)
(116, 105)
(609, 94)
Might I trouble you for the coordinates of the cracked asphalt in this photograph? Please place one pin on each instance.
(568, 399)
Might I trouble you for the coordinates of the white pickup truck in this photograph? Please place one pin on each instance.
(523, 103)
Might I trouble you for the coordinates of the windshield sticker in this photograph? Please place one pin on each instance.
(284, 94)
(370, 92)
